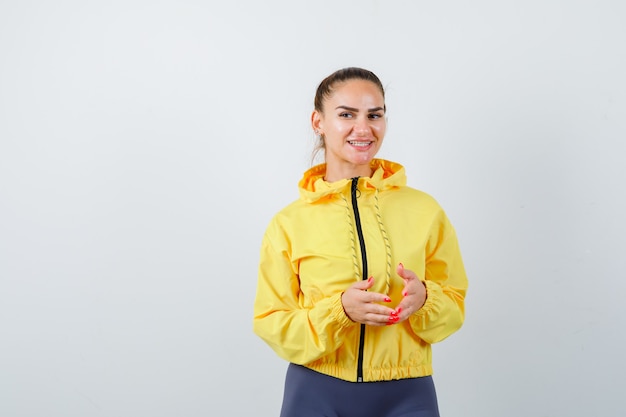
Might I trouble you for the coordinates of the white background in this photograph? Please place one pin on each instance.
(145, 145)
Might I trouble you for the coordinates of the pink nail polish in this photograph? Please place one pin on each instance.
(401, 265)
(398, 310)
(387, 299)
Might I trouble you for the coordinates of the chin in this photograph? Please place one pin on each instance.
(363, 159)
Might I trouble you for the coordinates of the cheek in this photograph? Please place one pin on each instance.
(339, 129)
(380, 131)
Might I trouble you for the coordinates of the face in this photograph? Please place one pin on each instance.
(353, 125)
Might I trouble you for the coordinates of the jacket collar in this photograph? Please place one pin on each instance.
(385, 175)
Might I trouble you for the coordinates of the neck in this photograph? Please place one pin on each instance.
(334, 173)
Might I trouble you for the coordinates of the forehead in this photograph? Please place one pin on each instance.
(357, 90)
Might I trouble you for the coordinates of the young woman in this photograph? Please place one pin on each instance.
(359, 276)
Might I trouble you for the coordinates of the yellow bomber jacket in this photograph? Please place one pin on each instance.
(311, 252)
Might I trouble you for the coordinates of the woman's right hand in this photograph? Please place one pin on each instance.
(362, 306)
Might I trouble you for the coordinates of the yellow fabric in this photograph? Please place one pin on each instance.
(307, 260)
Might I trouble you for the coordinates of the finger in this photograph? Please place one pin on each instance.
(365, 284)
(403, 311)
(410, 304)
(376, 297)
(381, 319)
(381, 310)
(411, 287)
(404, 273)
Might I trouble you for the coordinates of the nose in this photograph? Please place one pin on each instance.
(361, 124)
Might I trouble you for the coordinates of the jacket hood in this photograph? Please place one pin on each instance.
(385, 175)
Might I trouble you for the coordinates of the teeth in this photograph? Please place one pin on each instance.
(359, 143)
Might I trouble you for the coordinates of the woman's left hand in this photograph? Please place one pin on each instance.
(414, 294)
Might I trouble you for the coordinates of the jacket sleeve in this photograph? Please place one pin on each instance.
(297, 334)
(446, 283)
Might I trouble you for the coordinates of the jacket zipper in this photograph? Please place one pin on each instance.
(354, 191)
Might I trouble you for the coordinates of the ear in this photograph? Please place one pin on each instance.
(316, 122)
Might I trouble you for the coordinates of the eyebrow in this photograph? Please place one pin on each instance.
(375, 109)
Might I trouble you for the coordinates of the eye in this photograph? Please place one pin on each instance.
(375, 115)
(345, 115)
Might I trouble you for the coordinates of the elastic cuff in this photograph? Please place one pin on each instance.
(338, 314)
(429, 304)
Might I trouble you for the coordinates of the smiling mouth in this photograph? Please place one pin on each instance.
(360, 143)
